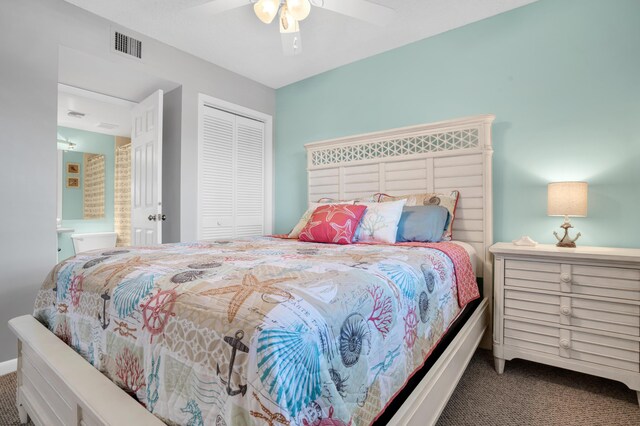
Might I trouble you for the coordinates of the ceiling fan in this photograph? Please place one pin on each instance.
(291, 12)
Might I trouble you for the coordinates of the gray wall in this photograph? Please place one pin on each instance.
(171, 132)
(31, 32)
(28, 104)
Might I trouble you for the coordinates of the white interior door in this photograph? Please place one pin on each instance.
(146, 171)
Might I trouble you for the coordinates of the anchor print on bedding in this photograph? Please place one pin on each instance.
(261, 331)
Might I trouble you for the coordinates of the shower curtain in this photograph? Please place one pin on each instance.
(122, 202)
(93, 186)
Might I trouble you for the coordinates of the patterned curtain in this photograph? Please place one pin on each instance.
(122, 200)
(93, 186)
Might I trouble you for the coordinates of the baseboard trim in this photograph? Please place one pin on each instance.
(8, 366)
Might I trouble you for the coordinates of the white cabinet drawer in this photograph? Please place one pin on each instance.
(535, 337)
(537, 306)
(602, 281)
(578, 345)
(606, 281)
(530, 274)
(604, 315)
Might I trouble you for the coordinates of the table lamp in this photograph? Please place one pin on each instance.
(567, 199)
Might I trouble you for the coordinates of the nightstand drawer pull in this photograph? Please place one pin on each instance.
(565, 278)
(565, 310)
(564, 343)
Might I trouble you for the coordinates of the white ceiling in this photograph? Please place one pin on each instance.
(97, 109)
(238, 41)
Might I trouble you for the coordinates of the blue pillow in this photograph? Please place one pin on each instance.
(422, 223)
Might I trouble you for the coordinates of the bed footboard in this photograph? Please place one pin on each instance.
(430, 396)
(56, 386)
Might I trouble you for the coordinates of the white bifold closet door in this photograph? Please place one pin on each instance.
(231, 176)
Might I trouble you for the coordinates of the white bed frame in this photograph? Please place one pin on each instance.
(56, 386)
(437, 157)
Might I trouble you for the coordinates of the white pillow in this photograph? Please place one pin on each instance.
(380, 222)
(295, 233)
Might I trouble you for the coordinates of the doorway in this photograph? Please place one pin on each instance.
(109, 185)
(93, 164)
(122, 107)
(109, 171)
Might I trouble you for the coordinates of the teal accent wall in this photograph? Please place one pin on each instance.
(562, 78)
(96, 143)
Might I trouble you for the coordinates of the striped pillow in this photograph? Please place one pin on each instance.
(449, 201)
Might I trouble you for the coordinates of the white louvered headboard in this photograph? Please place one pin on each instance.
(436, 157)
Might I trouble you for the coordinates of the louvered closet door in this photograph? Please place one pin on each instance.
(231, 176)
(216, 195)
(249, 179)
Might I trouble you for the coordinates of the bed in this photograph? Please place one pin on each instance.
(269, 330)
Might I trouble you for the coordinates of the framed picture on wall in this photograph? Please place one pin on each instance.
(73, 168)
(73, 182)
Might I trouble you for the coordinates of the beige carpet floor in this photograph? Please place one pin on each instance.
(530, 394)
(526, 394)
(8, 411)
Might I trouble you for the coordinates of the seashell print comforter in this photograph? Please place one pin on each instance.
(262, 331)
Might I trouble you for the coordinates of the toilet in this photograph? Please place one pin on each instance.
(93, 241)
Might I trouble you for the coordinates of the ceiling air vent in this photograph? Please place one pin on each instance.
(127, 45)
(108, 126)
(75, 114)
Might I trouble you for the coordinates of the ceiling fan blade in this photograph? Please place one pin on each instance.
(291, 43)
(359, 9)
(218, 6)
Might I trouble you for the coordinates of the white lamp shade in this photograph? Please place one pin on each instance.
(287, 23)
(567, 199)
(266, 10)
(299, 9)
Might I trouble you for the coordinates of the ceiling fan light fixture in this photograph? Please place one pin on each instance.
(266, 10)
(288, 24)
(299, 9)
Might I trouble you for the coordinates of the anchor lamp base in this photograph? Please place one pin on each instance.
(566, 241)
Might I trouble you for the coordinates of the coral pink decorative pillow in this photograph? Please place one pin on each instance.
(333, 223)
(295, 232)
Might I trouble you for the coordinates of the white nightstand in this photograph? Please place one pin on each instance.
(572, 308)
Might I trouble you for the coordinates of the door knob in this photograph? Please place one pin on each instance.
(164, 217)
(152, 217)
